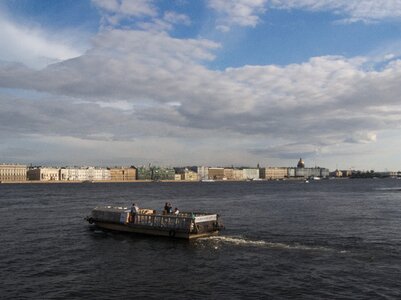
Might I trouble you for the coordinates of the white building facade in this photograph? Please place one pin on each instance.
(250, 174)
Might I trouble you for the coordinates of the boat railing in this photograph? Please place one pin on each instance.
(162, 221)
(150, 218)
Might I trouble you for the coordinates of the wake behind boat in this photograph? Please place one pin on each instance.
(185, 225)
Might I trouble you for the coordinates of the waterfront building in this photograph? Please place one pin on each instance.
(347, 173)
(324, 172)
(202, 171)
(216, 173)
(238, 174)
(337, 173)
(163, 173)
(73, 174)
(301, 172)
(155, 173)
(43, 174)
(144, 173)
(273, 173)
(308, 172)
(84, 174)
(250, 174)
(387, 174)
(122, 173)
(229, 173)
(13, 172)
(177, 177)
(98, 174)
(188, 175)
(301, 164)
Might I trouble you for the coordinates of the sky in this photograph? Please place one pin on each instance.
(201, 82)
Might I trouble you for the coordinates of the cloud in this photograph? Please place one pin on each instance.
(131, 63)
(176, 18)
(132, 85)
(141, 14)
(32, 45)
(362, 137)
(352, 10)
(247, 13)
(116, 10)
(237, 12)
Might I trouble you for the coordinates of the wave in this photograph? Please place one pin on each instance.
(241, 241)
(389, 189)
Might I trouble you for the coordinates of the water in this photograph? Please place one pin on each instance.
(323, 240)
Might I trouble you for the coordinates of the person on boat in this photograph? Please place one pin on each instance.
(170, 208)
(134, 211)
(176, 211)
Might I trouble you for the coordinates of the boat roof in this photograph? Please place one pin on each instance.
(127, 209)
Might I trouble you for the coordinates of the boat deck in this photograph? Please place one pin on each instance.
(148, 221)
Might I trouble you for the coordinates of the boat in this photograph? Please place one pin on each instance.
(207, 180)
(87, 181)
(185, 225)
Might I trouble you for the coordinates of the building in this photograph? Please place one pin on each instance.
(11, 172)
(144, 173)
(73, 174)
(229, 173)
(301, 172)
(347, 173)
(216, 173)
(203, 172)
(84, 174)
(122, 173)
(187, 174)
(43, 174)
(337, 173)
(386, 174)
(98, 174)
(301, 164)
(238, 174)
(250, 174)
(163, 173)
(273, 173)
(155, 173)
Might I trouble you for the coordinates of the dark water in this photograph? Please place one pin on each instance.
(335, 239)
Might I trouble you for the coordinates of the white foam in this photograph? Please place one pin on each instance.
(240, 241)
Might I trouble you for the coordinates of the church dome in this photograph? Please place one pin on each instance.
(301, 163)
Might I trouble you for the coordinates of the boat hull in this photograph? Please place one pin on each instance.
(171, 233)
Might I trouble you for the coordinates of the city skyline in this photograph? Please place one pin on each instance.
(212, 82)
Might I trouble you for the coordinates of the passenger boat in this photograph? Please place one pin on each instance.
(185, 225)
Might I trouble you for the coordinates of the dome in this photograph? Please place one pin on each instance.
(301, 163)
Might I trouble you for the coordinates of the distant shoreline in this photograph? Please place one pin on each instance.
(160, 181)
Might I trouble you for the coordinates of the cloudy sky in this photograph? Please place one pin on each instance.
(211, 82)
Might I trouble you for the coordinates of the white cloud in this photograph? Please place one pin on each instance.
(33, 46)
(353, 10)
(176, 18)
(248, 12)
(133, 84)
(116, 11)
(127, 8)
(142, 14)
(238, 12)
(362, 137)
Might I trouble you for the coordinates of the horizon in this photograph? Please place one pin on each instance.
(212, 82)
(258, 166)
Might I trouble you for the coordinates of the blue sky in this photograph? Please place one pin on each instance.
(216, 82)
